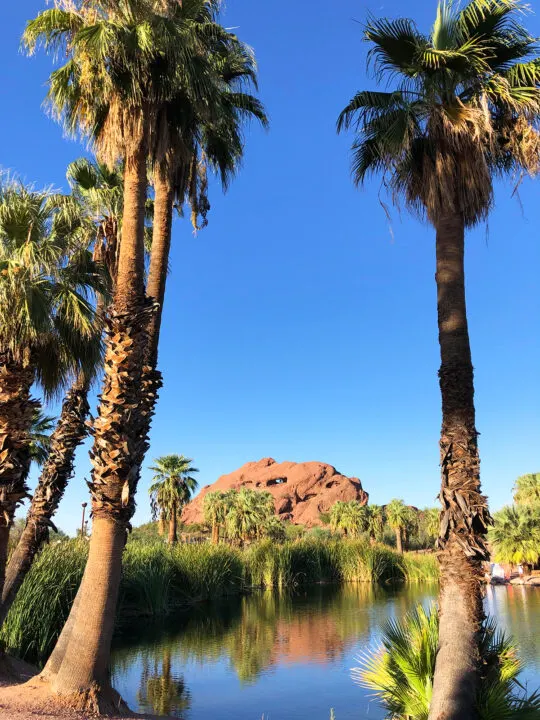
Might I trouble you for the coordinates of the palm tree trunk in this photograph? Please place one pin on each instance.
(16, 412)
(70, 431)
(464, 520)
(399, 541)
(173, 535)
(215, 533)
(118, 447)
(159, 257)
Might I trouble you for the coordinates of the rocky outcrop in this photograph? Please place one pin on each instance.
(301, 491)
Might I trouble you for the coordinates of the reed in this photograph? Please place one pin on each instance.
(158, 579)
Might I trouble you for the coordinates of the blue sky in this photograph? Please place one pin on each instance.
(295, 326)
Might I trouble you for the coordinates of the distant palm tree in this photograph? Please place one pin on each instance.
(216, 506)
(397, 516)
(172, 488)
(247, 514)
(375, 522)
(463, 110)
(350, 518)
(527, 490)
(515, 536)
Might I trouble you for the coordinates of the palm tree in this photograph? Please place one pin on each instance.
(98, 193)
(351, 518)
(49, 330)
(216, 506)
(463, 111)
(40, 433)
(120, 58)
(247, 514)
(527, 490)
(375, 523)
(172, 488)
(397, 515)
(401, 672)
(515, 536)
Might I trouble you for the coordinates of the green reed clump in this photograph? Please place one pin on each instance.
(44, 600)
(158, 579)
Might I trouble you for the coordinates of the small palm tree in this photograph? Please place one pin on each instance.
(247, 515)
(398, 516)
(527, 490)
(172, 488)
(351, 518)
(515, 535)
(375, 523)
(401, 671)
(216, 506)
(462, 111)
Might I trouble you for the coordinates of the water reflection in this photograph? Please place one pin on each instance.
(288, 654)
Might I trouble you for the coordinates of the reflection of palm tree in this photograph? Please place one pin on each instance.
(160, 691)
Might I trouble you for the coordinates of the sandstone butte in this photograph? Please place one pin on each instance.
(301, 491)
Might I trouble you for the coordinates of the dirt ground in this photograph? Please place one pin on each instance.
(23, 696)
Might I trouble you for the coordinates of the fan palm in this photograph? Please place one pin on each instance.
(462, 112)
(397, 516)
(121, 59)
(247, 514)
(172, 488)
(350, 518)
(515, 536)
(49, 330)
(401, 671)
(527, 490)
(216, 505)
(375, 522)
(98, 193)
(40, 433)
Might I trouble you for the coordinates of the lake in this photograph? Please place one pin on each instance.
(280, 656)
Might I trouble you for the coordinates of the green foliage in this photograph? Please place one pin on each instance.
(173, 485)
(350, 518)
(462, 110)
(40, 432)
(48, 282)
(401, 671)
(515, 535)
(159, 578)
(527, 490)
(242, 515)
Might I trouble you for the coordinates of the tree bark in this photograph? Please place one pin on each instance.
(173, 535)
(119, 446)
(70, 431)
(16, 413)
(159, 257)
(465, 516)
(215, 533)
(399, 541)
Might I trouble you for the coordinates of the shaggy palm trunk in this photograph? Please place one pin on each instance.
(173, 534)
(464, 516)
(399, 541)
(69, 433)
(16, 413)
(81, 665)
(215, 533)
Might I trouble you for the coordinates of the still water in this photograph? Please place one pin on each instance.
(280, 656)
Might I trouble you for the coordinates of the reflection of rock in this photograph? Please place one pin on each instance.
(301, 490)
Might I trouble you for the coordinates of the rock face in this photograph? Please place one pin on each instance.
(301, 490)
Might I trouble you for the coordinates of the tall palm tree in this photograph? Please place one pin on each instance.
(172, 488)
(397, 515)
(123, 61)
(462, 111)
(49, 330)
(98, 193)
(527, 490)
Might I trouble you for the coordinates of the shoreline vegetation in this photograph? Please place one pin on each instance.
(159, 579)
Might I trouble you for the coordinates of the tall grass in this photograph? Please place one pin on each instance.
(158, 579)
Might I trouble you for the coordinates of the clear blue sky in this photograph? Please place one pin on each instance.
(295, 327)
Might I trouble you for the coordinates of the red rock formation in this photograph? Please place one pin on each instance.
(301, 490)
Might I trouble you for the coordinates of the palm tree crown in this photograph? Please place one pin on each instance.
(173, 484)
(464, 107)
(527, 490)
